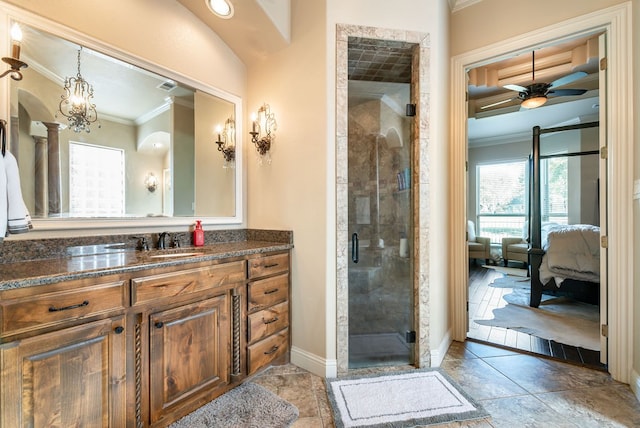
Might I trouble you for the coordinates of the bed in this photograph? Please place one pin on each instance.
(561, 256)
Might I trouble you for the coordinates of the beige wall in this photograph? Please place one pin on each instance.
(291, 193)
(491, 21)
(165, 34)
(297, 191)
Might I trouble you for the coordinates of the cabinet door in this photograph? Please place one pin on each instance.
(70, 378)
(190, 353)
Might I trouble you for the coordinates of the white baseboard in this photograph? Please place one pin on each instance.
(313, 363)
(635, 383)
(437, 355)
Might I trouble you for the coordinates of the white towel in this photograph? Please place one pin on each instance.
(18, 218)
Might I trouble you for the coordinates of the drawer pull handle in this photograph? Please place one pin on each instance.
(159, 324)
(66, 308)
(270, 266)
(272, 350)
(272, 320)
(119, 329)
(275, 290)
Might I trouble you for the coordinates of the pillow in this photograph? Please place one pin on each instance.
(471, 231)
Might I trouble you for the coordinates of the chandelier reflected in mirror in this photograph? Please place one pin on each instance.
(76, 104)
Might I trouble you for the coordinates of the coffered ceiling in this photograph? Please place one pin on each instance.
(494, 111)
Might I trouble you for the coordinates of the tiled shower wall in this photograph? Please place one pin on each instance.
(380, 288)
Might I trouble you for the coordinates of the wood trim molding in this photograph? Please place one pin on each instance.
(616, 22)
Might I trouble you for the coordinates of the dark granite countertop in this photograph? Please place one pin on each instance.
(109, 259)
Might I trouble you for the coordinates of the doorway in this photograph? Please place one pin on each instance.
(390, 248)
(566, 78)
(616, 24)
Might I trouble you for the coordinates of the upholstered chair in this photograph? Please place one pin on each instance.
(517, 248)
(479, 247)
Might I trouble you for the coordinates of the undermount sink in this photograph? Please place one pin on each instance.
(173, 255)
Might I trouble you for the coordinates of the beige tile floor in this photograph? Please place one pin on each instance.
(518, 390)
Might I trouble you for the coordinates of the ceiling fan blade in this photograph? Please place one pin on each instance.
(569, 78)
(565, 92)
(497, 104)
(516, 88)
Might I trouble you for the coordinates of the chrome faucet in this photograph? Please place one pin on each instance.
(161, 240)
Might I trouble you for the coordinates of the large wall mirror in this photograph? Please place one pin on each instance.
(152, 155)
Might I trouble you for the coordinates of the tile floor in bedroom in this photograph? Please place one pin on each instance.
(518, 390)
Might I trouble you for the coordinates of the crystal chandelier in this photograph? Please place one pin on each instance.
(76, 102)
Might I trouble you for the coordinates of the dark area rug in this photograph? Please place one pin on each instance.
(246, 406)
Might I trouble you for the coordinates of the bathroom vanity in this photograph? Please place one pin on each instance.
(141, 342)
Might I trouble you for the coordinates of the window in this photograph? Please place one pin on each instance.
(554, 189)
(96, 181)
(502, 199)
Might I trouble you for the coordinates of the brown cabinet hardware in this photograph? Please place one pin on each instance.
(66, 308)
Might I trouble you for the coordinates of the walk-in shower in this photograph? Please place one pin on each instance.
(380, 203)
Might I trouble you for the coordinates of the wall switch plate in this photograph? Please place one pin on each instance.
(636, 189)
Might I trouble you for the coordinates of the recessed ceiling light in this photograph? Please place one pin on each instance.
(222, 8)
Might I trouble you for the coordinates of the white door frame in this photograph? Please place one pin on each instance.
(616, 21)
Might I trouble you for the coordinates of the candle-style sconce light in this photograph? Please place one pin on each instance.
(151, 182)
(14, 60)
(263, 127)
(227, 142)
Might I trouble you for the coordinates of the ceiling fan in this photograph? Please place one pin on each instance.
(536, 94)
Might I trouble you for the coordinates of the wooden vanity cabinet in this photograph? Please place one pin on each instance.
(268, 311)
(62, 355)
(140, 349)
(186, 321)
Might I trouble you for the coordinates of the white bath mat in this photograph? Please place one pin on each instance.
(401, 399)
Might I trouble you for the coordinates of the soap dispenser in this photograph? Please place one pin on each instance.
(198, 234)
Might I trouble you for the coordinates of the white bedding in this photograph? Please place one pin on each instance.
(571, 251)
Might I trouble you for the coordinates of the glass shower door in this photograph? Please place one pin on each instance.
(380, 225)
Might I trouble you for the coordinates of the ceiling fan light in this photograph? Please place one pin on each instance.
(534, 102)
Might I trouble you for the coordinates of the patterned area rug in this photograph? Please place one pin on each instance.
(400, 399)
(246, 406)
(508, 270)
(560, 319)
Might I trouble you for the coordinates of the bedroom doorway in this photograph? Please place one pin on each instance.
(616, 23)
(499, 291)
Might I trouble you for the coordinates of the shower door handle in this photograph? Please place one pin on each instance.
(355, 248)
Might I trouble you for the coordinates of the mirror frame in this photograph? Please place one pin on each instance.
(47, 224)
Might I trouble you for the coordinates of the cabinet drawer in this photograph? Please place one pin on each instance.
(264, 352)
(24, 314)
(267, 321)
(267, 292)
(268, 265)
(180, 283)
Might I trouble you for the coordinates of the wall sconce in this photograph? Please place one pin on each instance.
(151, 182)
(14, 60)
(227, 143)
(263, 126)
